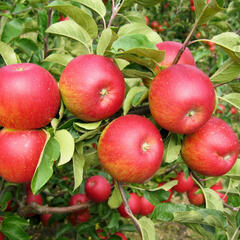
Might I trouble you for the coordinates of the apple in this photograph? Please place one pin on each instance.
(217, 186)
(146, 20)
(171, 49)
(123, 237)
(222, 196)
(146, 207)
(33, 198)
(184, 184)
(63, 18)
(198, 35)
(1, 236)
(154, 24)
(101, 234)
(45, 219)
(29, 96)
(92, 87)
(181, 98)
(77, 218)
(233, 110)
(97, 188)
(78, 199)
(20, 151)
(170, 190)
(212, 150)
(131, 149)
(192, 8)
(221, 109)
(191, 2)
(160, 28)
(195, 198)
(134, 203)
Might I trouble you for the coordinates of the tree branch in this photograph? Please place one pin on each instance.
(46, 38)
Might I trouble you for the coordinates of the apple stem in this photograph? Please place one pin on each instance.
(127, 208)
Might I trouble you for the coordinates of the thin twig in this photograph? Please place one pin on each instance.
(170, 169)
(115, 9)
(46, 51)
(235, 209)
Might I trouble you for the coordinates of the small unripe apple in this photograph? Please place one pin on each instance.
(92, 87)
(181, 98)
(195, 198)
(121, 235)
(97, 188)
(29, 96)
(212, 150)
(233, 110)
(78, 199)
(45, 219)
(134, 203)
(184, 184)
(20, 151)
(146, 207)
(170, 190)
(131, 149)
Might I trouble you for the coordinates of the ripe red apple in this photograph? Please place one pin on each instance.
(160, 28)
(97, 188)
(92, 87)
(212, 150)
(170, 190)
(198, 35)
(146, 207)
(121, 235)
(45, 219)
(222, 196)
(192, 8)
(77, 218)
(221, 109)
(154, 24)
(63, 18)
(146, 20)
(171, 49)
(184, 184)
(19, 153)
(195, 198)
(181, 98)
(1, 236)
(191, 2)
(134, 202)
(33, 198)
(217, 186)
(78, 199)
(131, 149)
(29, 96)
(233, 110)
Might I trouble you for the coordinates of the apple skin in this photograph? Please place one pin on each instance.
(221, 109)
(77, 218)
(134, 202)
(171, 49)
(45, 219)
(212, 150)
(78, 199)
(195, 198)
(217, 186)
(233, 110)
(33, 198)
(146, 207)
(98, 189)
(184, 184)
(19, 153)
(29, 96)
(121, 235)
(181, 98)
(128, 145)
(1, 236)
(92, 87)
(222, 196)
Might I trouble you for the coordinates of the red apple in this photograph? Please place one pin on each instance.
(233, 110)
(212, 150)
(160, 28)
(101, 234)
(19, 153)
(146, 207)
(121, 235)
(92, 87)
(154, 24)
(33, 198)
(222, 196)
(195, 198)
(171, 49)
(29, 96)
(45, 219)
(181, 98)
(221, 109)
(184, 184)
(134, 202)
(1, 236)
(192, 8)
(198, 35)
(78, 199)
(63, 18)
(131, 149)
(191, 2)
(170, 190)
(217, 186)
(97, 188)
(146, 20)
(77, 218)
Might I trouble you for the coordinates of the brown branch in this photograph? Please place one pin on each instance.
(127, 208)
(47, 35)
(196, 177)
(231, 207)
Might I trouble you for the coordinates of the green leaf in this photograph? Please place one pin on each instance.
(139, 28)
(235, 85)
(166, 186)
(78, 165)
(104, 41)
(59, 58)
(127, 104)
(66, 143)
(88, 126)
(238, 218)
(44, 169)
(56, 121)
(115, 200)
(234, 173)
(212, 199)
(139, 97)
(8, 54)
(157, 196)
(78, 15)
(173, 148)
(204, 12)
(147, 3)
(6, 196)
(232, 98)
(42, 21)
(134, 70)
(12, 30)
(148, 229)
(27, 45)
(227, 72)
(72, 30)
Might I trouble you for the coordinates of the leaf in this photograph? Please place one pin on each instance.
(234, 173)
(44, 168)
(238, 218)
(204, 12)
(72, 30)
(8, 54)
(78, 15)
(232, 98)
(147, 3)
(59, 58)
(78, 164)
(88, 126)
(115, 199)
(212, 199)
(129, 98)
(167, 185)
(139, 97)
(227, 72)
(66, 143)
(12, 30)
(157, 196)
(147, 228)
(173, 148)
(56, 121)
(27, 45)
(139, 28)
(104, 41)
